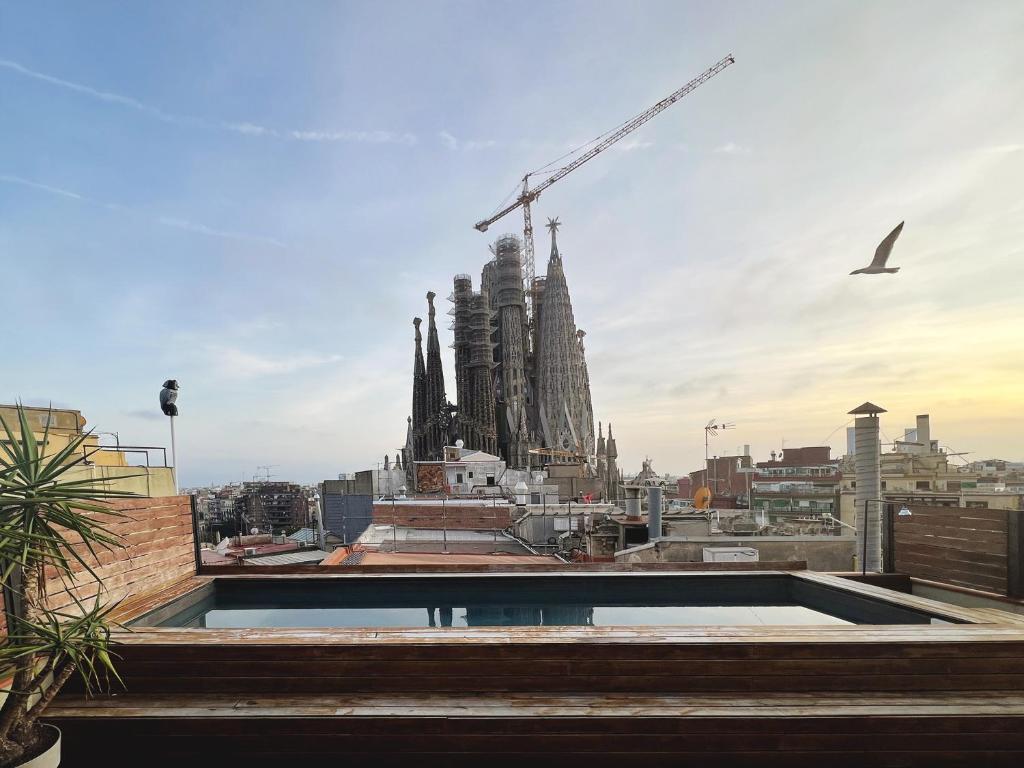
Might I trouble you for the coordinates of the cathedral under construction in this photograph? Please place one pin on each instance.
(522, 388)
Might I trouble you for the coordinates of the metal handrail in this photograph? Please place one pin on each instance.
(144, 449)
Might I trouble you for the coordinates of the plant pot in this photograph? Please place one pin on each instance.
(50, 758)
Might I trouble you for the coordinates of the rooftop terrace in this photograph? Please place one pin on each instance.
(946, 691)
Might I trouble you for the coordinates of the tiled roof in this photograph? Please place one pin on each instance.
(307, 535)
(298, 557)
(212, 557)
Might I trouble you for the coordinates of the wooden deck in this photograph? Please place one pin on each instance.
(509, 730)
(897, 695)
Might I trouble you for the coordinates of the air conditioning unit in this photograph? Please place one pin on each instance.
(730, 555)
(250, 551)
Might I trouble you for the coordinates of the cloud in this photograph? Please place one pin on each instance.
(107, 96)
(731, 148)
(148, 414)
(191, 226)
(474, 144)
(360, 137)
(244, 128)
(469, 145)
(167, 221)
(233, 362)
(42, 187)
(1004, 149)
(632, 145)
(249, 129)
(448, 140)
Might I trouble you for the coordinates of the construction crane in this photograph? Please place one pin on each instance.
(527, 195)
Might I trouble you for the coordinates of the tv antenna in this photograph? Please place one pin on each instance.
(711, 430)
(266, 471)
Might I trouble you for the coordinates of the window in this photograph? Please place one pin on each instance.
(977, 504)
(924, 485)
(470, 475)
(458, 477)
(883, 485)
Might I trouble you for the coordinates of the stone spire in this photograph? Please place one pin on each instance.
(474, 361)
(611, 454)
(502, 282)
(438, 414)
(407, 452)
(587, 413)
(418, 423)
(602, 461)
(563, 388)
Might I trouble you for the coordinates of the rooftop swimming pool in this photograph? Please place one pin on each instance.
(527, 599)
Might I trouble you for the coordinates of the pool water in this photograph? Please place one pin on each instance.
(515, 616)
(527, 600)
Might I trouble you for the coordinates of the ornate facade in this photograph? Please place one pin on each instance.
(563, 386)
(521, 382)
(431, 411)
(474, 366)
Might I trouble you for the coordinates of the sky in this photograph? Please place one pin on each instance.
(254, 198)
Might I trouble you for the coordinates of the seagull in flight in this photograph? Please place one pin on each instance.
(877, 265)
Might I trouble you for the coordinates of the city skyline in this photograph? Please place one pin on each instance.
(233, 198)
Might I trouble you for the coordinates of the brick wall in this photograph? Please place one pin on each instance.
(454, 516)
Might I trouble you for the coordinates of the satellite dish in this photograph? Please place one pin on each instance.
(702, 498)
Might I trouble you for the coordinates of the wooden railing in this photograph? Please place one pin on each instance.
(980, 549)
(158, 549)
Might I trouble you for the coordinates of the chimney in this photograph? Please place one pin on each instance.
(924, 433)
(653, 513)
(632, 503)
(869, 485)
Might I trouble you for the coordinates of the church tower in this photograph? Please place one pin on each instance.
(612, 454)
(474, 362)
(563, 387)
(502, 281)
(418, 423)
(438, 415)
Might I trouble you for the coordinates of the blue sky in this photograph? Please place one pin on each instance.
(254, 198)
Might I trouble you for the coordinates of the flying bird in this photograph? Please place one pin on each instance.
(882, 255)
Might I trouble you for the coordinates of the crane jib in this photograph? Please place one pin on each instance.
(626, 128)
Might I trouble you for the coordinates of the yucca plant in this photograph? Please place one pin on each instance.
(52, 527)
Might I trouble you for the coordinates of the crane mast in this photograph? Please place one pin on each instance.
(528, 195)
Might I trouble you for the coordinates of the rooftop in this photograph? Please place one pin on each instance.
(298, 557)
(341, 557)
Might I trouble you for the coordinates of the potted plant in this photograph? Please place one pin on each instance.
(51, 529)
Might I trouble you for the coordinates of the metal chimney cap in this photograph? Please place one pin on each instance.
(867, 409)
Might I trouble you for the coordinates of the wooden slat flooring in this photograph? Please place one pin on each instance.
(858, 695)
(613, 730)
(818, 705)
